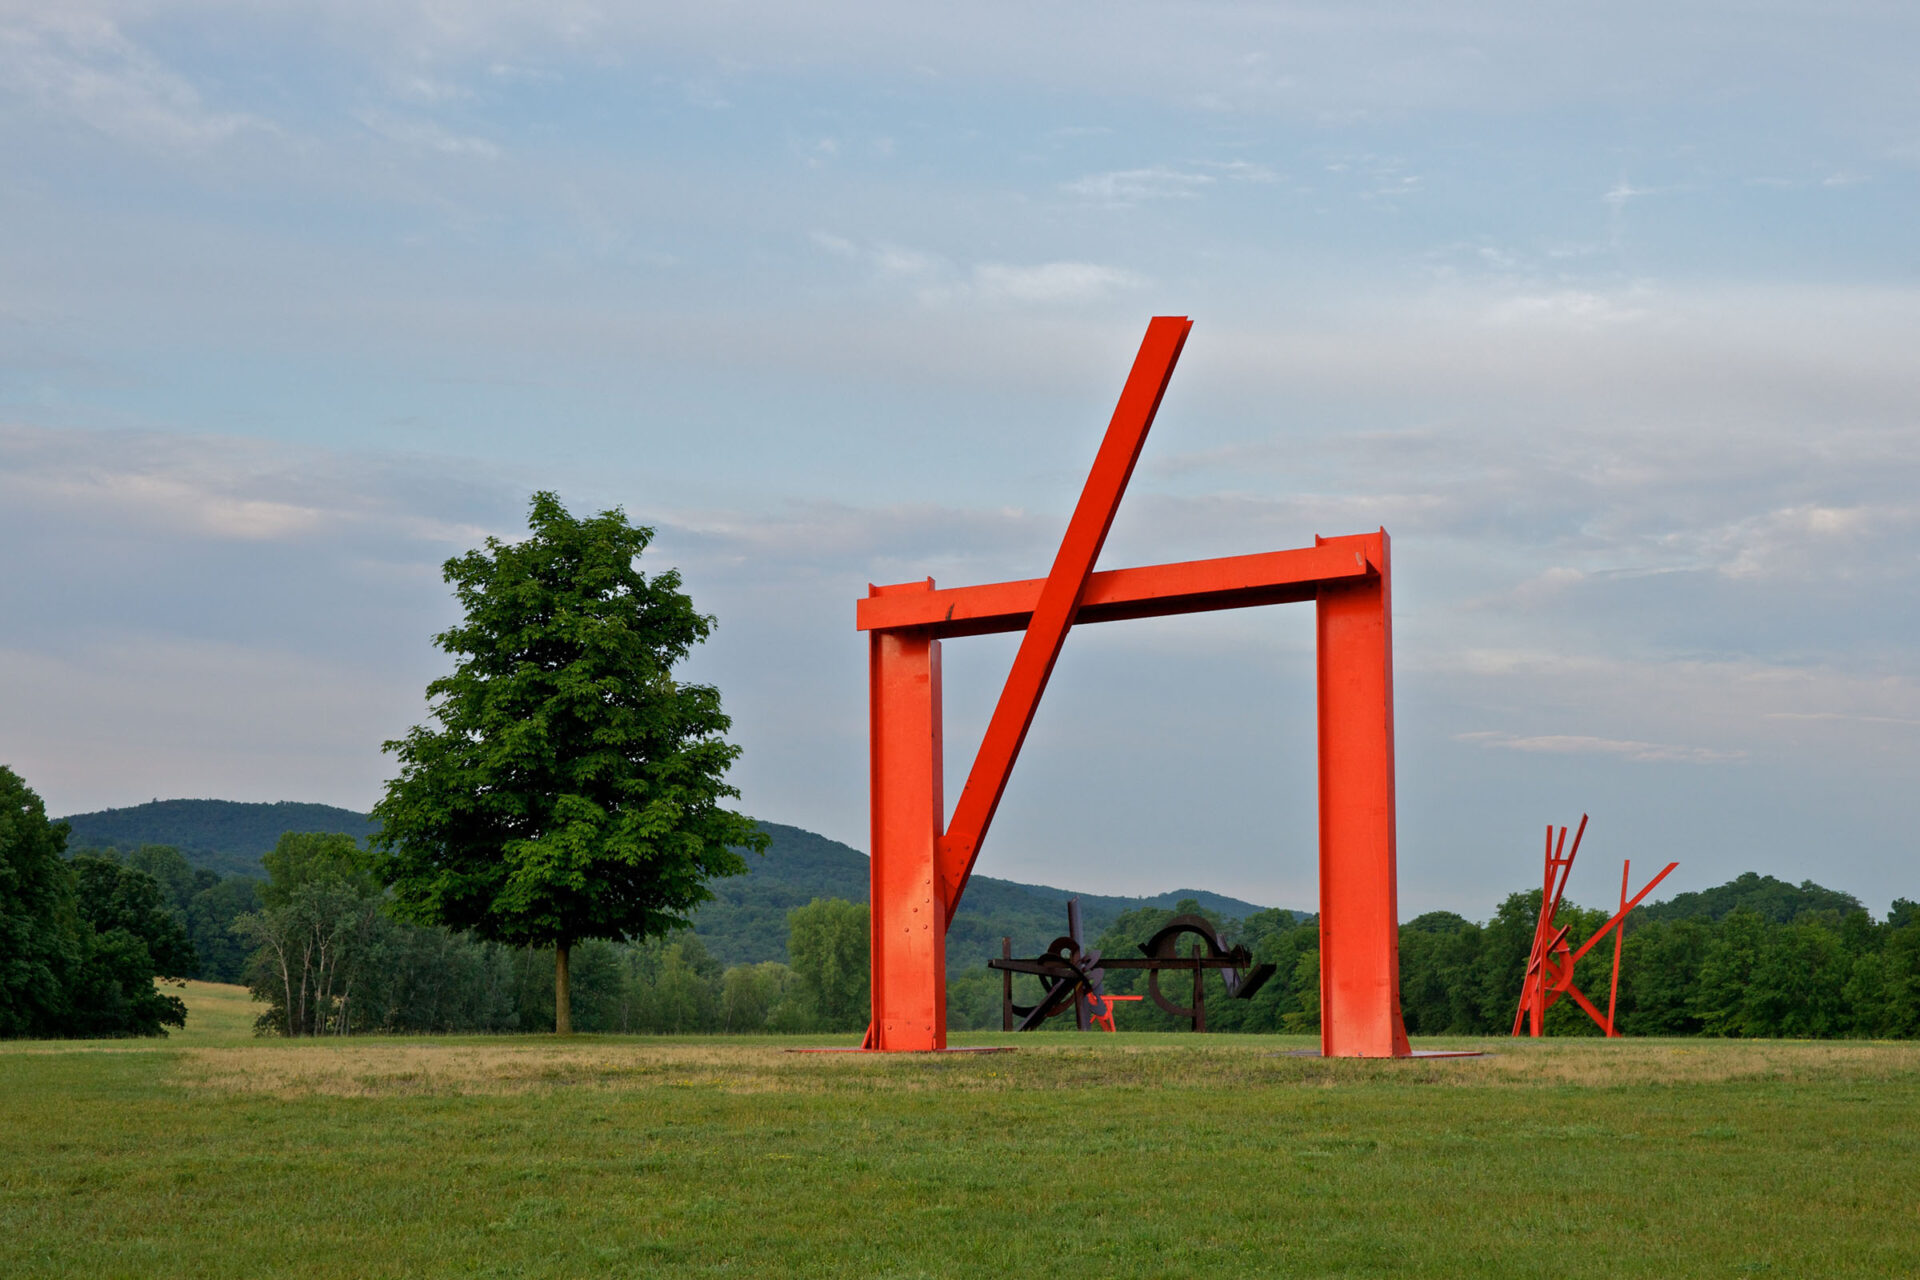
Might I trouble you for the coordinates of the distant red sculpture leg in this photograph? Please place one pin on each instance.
(909, 926)
(1359, 913)
(1550, 965)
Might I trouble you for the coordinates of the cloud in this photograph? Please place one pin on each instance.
(1578, 744)
(1120, 187)
(937, 280)
(1050, 282)
(838, 246)
(210, 488)
(1570, 308)
(1621, 192)
(1377, 179)
(113, 721)
(1842, 717)
(1650, 703)
(81, 64)
(1243, 171)
(1327, 65)
(884, 543)
(426, 135)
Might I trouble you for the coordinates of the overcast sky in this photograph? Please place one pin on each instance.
(1608, 313)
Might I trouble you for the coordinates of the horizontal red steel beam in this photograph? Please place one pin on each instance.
(1194, 586)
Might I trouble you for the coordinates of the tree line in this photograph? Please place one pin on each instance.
(92, 940)
(84, 935)
(1755, 958)
(332, 956)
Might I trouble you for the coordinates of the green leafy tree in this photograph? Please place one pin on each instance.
(571, 788)
(1720, 998)
(1304, 982)
(210, 917)
(302, 858)
(37, 922)
(684, 995)
(59, 974)
(110, 895)
(1505, 943)
(1439, 952)
(205, 902)
(110, 991)
(179, 881)
(1900, 973)
(1659, 972)
(749, 992)
(321, 937)
(827, 939)
(313, 951)
(415, 978)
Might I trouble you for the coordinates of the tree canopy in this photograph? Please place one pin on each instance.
(571, 788)
(828, 939)
(78, 941)
(36, 911)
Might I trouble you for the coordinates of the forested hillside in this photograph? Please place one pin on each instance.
(226, 836)
(745, 924)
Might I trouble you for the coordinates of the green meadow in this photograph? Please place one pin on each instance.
(216, 1154)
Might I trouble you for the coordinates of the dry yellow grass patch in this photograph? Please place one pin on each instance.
(1603, 1063)
(371, 1067)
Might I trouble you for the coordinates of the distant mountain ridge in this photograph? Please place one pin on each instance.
(227, 836)
(745, 923)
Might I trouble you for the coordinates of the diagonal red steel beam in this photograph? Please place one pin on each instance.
(1621, 915)
(1059, 601)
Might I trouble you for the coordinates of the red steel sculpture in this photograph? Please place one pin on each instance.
(921, 861)
(1550, 963)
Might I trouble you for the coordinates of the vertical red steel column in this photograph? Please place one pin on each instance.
(909, 930)
(1359, 911)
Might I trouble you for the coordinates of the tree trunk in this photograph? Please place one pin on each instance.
(562, 995)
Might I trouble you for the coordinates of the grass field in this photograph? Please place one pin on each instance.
(214, 1154)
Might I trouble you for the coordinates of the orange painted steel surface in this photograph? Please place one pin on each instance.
(1549, 973)
(909, 916)
(1102, 1007)
(921, 862)
(1235, 582)
(1059, 600)
(1359, 910)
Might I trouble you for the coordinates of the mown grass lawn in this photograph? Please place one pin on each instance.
(213, 1154)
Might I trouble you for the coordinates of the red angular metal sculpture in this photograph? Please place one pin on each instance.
(921, 861)
(1550, 964)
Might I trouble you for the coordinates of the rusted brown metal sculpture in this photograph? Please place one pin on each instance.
(1072, 974)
